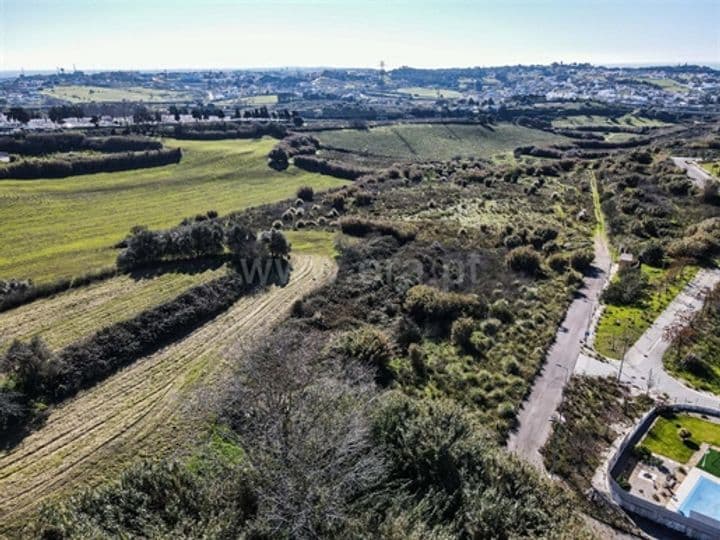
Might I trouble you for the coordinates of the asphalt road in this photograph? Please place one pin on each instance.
(643, 366)
(534, 420)
(696, 173)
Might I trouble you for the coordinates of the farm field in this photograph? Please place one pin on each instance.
(437, 141)
(623, 325)
(663, 437)
(70, 316)
(627, 120)
(62, 228)
(666, 84)
(430, 93)
(147, 409)
(84, 94)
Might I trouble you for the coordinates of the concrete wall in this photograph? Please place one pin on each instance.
(692, 527)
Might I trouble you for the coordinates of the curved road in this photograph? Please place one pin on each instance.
(143, 409)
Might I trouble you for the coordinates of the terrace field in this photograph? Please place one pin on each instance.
(430, 93)
(437, 141)
(70, 316)
(627, 120)
(62, 228)
(84, 94)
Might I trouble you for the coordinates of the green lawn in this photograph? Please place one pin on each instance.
(621, 325)
(710, 462)
(663, 438)
(66, 227)
(713, 167)
(313, 242)
(430, 93)
(81, 94)
(437, 141)
(667, 84)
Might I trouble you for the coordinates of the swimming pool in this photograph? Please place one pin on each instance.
(704, 499)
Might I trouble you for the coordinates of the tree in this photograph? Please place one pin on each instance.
(278, 245)
(241, 241)
(304, 421)
(19, 115)
(28, 365)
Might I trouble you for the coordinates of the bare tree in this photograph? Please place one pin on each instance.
(304, 421)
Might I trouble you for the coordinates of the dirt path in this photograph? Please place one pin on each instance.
(135, 413)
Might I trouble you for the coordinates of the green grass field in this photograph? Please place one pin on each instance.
(82, 94)
(710, 462)
(713, 167)
(66, 227)
(663, 438)
(627, 120)
(430, 93)
(623, 325)
(666, 84)
(437, 141)
(72, 315)
(313, 242)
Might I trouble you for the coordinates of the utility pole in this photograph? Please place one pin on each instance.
(622, 359)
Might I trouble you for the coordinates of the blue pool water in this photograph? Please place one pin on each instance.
(704, 499)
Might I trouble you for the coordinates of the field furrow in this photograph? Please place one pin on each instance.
(140, 411)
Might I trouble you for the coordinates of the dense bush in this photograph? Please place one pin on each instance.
(224, 130)
(369, 346)
(629, 288)
(34, 144)
(338, 169)
(306, 193)
(582, 260)
(458, 483)
(356, 226)
(431, 305)
(523, 259)
(32, 168)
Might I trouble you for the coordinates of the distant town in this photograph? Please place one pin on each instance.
(78, 99)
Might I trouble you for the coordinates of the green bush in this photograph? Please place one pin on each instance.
(500, 309)
(368, 345)
(629, 288)
(523, 259)
(429, 304)
(582, 260)
(558, 263)
(461, 332)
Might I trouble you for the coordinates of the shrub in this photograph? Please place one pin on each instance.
(500, 309)
(582, 260)
(558, 263)
(363, 198)
(629, 288)
(506, 410)
(428, 304)
(523, 259)
(417, 359)
(652, 254)
(306, 193)
(368, 345)
(683, 433)
(362, 227)
(461, 332)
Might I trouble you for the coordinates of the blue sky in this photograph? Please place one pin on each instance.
(147, 34)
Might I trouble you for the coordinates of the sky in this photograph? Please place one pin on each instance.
(167, 34)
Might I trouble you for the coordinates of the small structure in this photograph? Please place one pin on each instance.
(4, 157)
(627, 260)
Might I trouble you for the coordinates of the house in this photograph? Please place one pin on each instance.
(4, 157)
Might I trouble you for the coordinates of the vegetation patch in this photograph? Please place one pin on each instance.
(639, 296)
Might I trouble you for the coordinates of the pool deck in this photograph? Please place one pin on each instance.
(687, 486)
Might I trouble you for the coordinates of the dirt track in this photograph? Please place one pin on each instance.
(133, 414)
